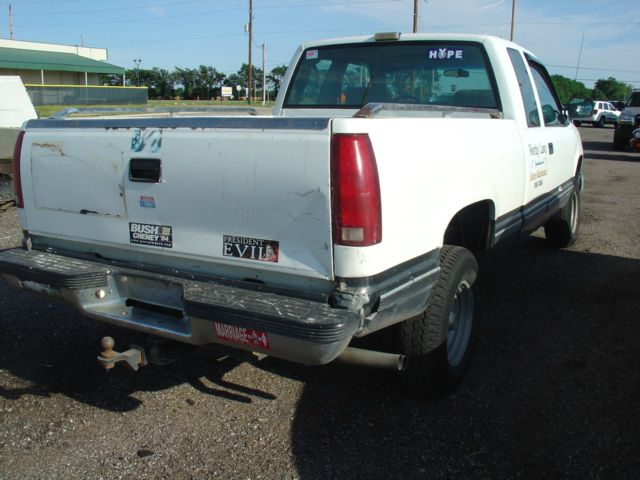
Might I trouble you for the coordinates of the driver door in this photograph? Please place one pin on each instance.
(561, 141)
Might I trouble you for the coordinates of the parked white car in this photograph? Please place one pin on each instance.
(596, 112)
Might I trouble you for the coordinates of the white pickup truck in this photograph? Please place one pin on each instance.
(390, 165)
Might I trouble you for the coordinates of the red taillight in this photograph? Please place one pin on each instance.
(17, 180)
(595, 112)
(356, 209)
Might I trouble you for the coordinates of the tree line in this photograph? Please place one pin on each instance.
(603, 89)
(205, 83)
(202, 83)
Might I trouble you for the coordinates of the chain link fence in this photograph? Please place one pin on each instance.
(86, 95)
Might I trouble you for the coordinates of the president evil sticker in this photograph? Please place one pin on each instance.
(250, 248)
(152, 235)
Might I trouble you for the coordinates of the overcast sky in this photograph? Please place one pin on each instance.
(188, 33)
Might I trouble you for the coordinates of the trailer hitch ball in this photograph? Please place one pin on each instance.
(107, 344)
(134, 357)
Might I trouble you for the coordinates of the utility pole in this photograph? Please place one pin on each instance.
(264, 73)
(513, 20)
(137, 62)
(10, 23)
(415, 16)
(250, 41)
(579, 57)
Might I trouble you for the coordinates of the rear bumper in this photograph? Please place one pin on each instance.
(191, 311)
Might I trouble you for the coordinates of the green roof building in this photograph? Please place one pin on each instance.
(50, 64)
(66, 74)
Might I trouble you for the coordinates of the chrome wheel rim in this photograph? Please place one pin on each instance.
(574, 212)
(460, 323)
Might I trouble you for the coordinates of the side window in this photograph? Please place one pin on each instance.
(550, 105)
(526, 88)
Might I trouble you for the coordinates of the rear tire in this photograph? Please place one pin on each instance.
(562, 230)
(577, 123)
(601, 122)
(619, 143)
(438, 342)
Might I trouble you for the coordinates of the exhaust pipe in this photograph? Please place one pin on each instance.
(370, 358)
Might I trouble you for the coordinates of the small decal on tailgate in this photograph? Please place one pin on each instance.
(153, 235)
(244, 336)
(149, 140)
(250, 248)
(147, 201)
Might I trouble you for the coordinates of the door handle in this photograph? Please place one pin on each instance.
(550, 148)
(145, 170)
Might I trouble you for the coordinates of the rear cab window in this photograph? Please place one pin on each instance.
(423, 73)
(550, 104)
(551, 107)
(527, 94)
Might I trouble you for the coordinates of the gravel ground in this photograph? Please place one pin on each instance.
(552, 392)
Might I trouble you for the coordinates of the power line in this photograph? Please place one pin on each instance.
(105, 10)
(209, 12)
(593, 68)
(235, 34)
(128, 20)
(40, 2)
(596, 79)
(177, 39)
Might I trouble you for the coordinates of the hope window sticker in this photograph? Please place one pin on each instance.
(445, 53)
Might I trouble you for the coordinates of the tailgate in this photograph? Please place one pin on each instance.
(247, 192)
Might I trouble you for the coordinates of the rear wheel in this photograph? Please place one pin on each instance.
(601, 121)
(620, 142)
(577, 123)
(439, 341)
(562, 230)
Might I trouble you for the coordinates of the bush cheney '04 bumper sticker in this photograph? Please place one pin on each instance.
(250, 248)
(153, 235)
(243, 336)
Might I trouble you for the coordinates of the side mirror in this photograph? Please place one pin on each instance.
(564, 116)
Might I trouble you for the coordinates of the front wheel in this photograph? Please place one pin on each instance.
(562, 230)
(438, 342)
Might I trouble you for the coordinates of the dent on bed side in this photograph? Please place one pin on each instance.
(65, 180)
